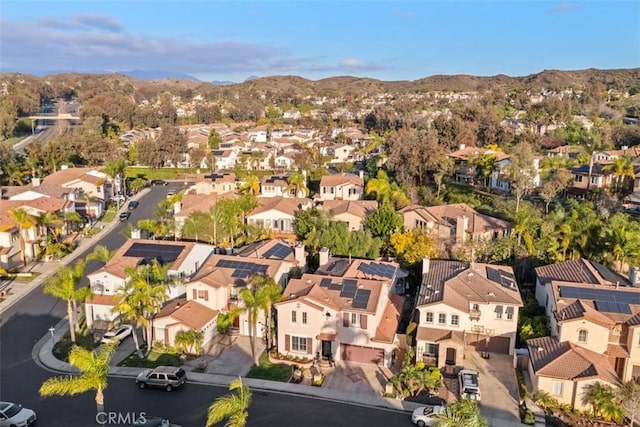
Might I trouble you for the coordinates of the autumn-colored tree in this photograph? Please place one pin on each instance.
(414, 245)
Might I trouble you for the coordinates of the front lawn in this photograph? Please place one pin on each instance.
(270, 371)
(155, 358)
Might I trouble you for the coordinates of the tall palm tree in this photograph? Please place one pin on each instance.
(629, 396)
(234, 407)
(100, 253)
(598, 395)
(63, 285)
(298, 183)
(189, 341)
(115, 171)
(25, 222)
(621, 239)
(379, 186)
(622, 167)
(50, 221)
(252, 305)
(268, 293)
(94, 368)
(216, 215)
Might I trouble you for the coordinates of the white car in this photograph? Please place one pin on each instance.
(117, 334)
(12, 414)
(425, 415)
(468, 383)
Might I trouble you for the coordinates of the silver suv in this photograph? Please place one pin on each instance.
(468, 382)
(166, 377)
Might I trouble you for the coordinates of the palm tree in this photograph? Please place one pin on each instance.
(621, 167)
(234, 407)
(298, 182)
(189, 341)
(63, 285)
(49, 220)
(252, 306)
(100, 253)
(463, 413)
(268, 293)
(251, 185)
(115, 171)
(597, 395)
(379, 186)
(621, 238)
(216, 215)
(526, 228)
(25, 222)
(94, 368)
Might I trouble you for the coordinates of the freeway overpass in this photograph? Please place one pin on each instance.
(59, 116)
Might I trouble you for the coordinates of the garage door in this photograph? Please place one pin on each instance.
(355, 353)
(495, 345)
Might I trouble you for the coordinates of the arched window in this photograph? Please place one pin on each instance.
(582, 335)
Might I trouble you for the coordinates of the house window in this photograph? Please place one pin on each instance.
(498, 312)
(304, 317)
(234, 294)
(557, 388)
(431, 349)
(429, 317)
(355, 319)
(202, 295)
(509, 312)
(294, 316)
(475, 307)
(578, 178)
(299, 344)
(455, 320)
(583, 334)
(442, 319)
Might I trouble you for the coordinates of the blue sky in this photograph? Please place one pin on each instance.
(399, 40)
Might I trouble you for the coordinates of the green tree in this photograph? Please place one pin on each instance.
(214, 140)
(552, 185)
(622, 167)
(100, 253)
(251, 185)
(463, 413)
(520, 171)
(252, 305)
(297, 183)
(190, 341)
(601, 397)
(629, 397)
(63, 285)
(412, 246)
(383, 221)
(94, 368)
(234, 407)
(620, 238)
(268, 293)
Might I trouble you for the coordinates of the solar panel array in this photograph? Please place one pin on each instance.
(503, 278)
(607, 300)
(148, 251)
(377, 269)
(278, 251)
(349, 288)
(242, 269)
(361, 300)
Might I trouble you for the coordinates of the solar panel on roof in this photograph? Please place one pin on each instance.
(364, 268)
(361, 299)
(349, 288)
(278, 251)
(613, 307)
(604, 295)
(494, 275)
(242, 269)
(325, 282)
(163, 253)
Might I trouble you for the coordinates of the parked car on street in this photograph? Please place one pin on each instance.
(159, 182)
(133, 204)
(167, 377)
(14, 415)
(119, 333)
(468, 382)
(425, 415)
(171, 194)
(124, 216)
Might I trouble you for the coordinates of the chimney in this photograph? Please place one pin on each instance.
(462, 146)
(426, 262)
(324, 257)
(136, 233)
(361, 173)
(177, 207)
(64, 167)
(35, 181)
(300, 256)
(634, 276)
(462, 223)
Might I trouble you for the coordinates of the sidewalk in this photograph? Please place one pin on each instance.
(42, 355)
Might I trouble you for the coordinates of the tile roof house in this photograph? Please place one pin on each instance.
(277, 215)
(464, 172)
(192, 203)
(455, 223)
(276, 186)
(601, 177)
(341, 186)
(351, 212)
(347, 310)
(460, 304)
(90, 181)
(566, 370)
(184, 258)
(219, 182)
(595, 308)
(216, 287)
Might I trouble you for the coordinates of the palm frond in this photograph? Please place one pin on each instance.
(64, 386)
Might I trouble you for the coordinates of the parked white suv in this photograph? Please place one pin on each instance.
(12, 414)
(425, 415)
(469, 387)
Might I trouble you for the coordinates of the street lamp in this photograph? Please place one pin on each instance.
(51, 330)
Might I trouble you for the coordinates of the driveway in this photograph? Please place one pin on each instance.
(229, 355)
(498, 384)
(363, 378)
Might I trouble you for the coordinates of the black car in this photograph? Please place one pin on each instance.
(133, 204)
(159, 182)
(124, 216)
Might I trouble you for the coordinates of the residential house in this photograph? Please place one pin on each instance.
(608, 156)
(461, 304)
(595, 308)
(341, 186)
(258, 134)
(351, 212)
(90, 181)
(220, 182)
(278, 186)
(339, 153)
(192, 203)
(571, 151)
(454, 224)
(566, 370)
(346, 311)
(464, 171)
(277, 215)
(584, 181)
(216, 288)
(225, 158)
(285, 160)
(184, 260)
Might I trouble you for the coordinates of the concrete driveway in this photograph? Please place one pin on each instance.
(229, 355)
(498, 385)
(363, 378)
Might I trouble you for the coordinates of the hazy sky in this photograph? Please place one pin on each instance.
(398, 40)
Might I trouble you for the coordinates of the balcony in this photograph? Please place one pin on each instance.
(474, 314)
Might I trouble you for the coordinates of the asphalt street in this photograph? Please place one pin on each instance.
(23, 324)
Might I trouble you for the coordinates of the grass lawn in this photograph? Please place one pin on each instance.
(20, 278)
(152, 360)
(270, 371)
(108, 215)
(160, 173)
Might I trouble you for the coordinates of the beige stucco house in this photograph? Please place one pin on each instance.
(347, 310)
(341, 186)
(218, 183)
(351, 212)
(461, 304)
(277, 214)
